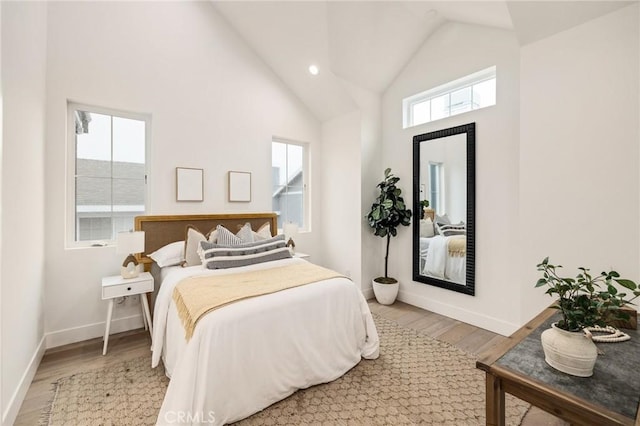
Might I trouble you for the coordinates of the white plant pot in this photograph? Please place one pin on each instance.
(571, 352)
(385, 293)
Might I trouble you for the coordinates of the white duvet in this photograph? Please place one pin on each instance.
(247, 355)
(438, 263)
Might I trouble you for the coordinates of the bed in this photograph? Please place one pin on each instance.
(252, 353)
(444, 257)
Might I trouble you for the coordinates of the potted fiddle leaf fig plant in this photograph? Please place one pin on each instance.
(584, 301)
(387, 213)
(424, 204)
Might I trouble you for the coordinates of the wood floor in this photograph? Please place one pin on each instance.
(67, 360)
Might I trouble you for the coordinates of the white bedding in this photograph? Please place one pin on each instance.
(247, 355)
(167, 270)
(439, 264)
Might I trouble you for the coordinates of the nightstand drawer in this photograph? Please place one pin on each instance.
(127, 289)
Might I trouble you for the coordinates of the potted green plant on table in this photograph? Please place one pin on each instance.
(584, 301)
(387, 213)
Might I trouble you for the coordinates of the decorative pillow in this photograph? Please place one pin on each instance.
(192, 246)
(217, 256)
(426, 228)
(449, 230)
(213, 236)
(263, 233)
(444, 219)
(246, 234)
(169, 255)
(226, 237)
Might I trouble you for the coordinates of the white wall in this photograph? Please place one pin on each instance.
(579, 155)
(453, 51)
(557, 159)
(214, 105)
(340, 207)
(351, 169)
(2, 397)
(371, 173)
(22, 275)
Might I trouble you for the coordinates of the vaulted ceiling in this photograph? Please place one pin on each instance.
(367, 43)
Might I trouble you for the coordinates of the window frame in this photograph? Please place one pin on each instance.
(70, 196)
(306, 179)
(467, 81)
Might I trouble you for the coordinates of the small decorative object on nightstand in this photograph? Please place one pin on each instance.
(290, 232)
(130, 243)
(117, 286)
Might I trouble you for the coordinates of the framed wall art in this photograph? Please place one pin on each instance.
(189, 184)
(239, 186)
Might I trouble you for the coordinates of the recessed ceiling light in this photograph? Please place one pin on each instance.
(313, 70)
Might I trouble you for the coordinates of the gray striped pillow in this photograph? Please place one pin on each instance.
(449, 230)
(226, 237)
(219, 256)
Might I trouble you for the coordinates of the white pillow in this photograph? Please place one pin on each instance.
(245, 233)
(426, 228)
(444, 219)
(264, 233)
(169, 255)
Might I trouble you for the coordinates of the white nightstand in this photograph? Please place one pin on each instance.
(116, 286)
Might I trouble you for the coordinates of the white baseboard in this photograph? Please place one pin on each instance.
(13, 407)
(479, 320)
(368, 293)
(90, 331)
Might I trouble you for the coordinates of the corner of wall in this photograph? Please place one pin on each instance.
(15, 402)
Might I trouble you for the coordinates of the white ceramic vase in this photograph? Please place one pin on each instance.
(385, 293)
(571, 352)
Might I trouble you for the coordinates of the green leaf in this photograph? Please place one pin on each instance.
(626, 283)
(541, 282)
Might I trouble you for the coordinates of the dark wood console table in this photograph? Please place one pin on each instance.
(610, 397)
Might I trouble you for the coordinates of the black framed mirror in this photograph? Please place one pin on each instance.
(444, 166)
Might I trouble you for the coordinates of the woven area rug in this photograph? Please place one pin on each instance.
(416, 381)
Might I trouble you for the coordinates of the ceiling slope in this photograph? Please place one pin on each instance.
(368, 43)
(535, 20)
(290, 36)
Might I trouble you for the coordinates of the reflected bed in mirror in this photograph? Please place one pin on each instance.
(443, 232)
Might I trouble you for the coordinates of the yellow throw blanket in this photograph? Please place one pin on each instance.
(457, 246)
(196, 296)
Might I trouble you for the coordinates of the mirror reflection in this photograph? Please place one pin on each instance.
(443, 211)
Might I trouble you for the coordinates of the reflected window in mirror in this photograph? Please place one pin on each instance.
(444, 208)
(436, 187)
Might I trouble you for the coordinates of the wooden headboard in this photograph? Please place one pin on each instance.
(162, 230)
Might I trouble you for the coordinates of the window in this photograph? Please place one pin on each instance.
(107, 172)
(289, 162)
(436, 187)
(474, 91)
